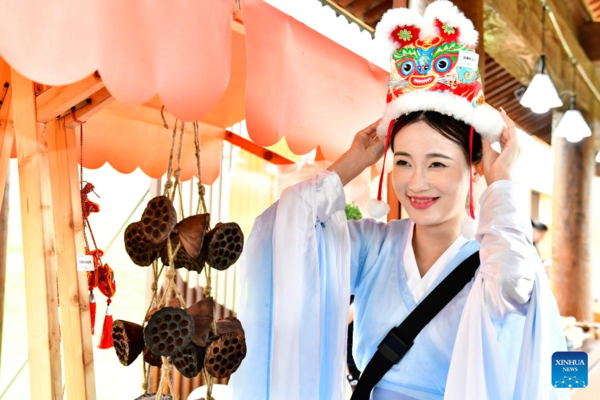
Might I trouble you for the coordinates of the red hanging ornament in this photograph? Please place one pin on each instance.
(106, 341)
(92, 310)
(102, 276)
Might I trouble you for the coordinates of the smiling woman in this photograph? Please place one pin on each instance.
(490, 336)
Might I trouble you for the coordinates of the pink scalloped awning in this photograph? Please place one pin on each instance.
(179, 49)
(304, 86)
(127, 137)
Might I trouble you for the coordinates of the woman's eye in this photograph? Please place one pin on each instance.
(401, 162)
(437, 164)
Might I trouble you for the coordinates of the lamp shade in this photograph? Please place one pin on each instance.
(541, 95)
(598, 157)
(573, 127)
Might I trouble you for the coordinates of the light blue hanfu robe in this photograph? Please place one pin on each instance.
(493, 341)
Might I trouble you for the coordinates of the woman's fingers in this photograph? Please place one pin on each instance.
(509, 134)
(371, 130)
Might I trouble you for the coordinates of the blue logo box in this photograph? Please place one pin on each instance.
(570, 369)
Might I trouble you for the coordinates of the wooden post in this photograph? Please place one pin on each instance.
(72, 284)
(3, 244)
(392, 200)
(38, 244)
(571, 275)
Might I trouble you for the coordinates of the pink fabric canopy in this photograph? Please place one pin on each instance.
(304, 86)
(179, 49)
(286, 79)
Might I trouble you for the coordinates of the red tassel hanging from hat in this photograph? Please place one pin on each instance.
(468, 226)
(378, 208)
(106, 341)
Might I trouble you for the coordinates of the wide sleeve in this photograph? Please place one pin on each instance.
(507, 253)
(295, 289)
(510, 358)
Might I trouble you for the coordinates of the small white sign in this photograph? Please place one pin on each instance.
(468, 59)
(85, 262)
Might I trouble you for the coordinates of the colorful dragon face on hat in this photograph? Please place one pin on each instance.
(434, 67)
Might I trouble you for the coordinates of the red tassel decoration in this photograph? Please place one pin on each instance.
(106, 341)
(93, 311)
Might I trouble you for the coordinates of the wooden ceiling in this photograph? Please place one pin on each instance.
(593, 7)
(368, 11)
(500, 89)
(500, 86)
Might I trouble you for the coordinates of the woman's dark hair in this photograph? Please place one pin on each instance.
(450, 128)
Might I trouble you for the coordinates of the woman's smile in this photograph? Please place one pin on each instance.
(422, 203)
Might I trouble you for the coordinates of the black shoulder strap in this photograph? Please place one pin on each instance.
(400, 339)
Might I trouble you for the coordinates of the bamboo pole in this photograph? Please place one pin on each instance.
(72, 284)
(38, 244)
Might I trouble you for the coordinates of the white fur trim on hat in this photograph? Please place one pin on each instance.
(449, 14)
(485, 119)
(443, 10)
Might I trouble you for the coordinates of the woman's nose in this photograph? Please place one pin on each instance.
(418, 182)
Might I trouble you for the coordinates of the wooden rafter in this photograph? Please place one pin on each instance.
(255, 149)
(98, 101)
(59, 99)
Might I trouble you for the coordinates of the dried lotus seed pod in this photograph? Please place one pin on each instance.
(223, 246)
(182, 258)
(128, 341)
(168, 331)
(158, 220)
(151, 358)
(226, 351)
(141, 252)
(189, 361)
(152, 396)
(202, 313)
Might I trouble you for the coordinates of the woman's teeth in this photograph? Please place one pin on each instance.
(423, 200)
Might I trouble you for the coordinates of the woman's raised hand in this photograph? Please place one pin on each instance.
(498, 166)
(368, 146)
(366, 150)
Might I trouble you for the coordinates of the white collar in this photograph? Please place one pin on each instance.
(419, 286)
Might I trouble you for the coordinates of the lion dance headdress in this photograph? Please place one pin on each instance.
(434, 67)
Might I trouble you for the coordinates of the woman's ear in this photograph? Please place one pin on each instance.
(477, 171)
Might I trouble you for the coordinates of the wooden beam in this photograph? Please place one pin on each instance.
(589, 35)
(98, 101)
(59, 99)
(255, 149)
(72, 284)
(38, 245)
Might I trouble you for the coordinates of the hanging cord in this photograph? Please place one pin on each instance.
(168, 182)
(177, 172)
(207, 271)
(201, 187)
(171, 273)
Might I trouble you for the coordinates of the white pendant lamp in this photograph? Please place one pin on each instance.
(541, 95)
(572, 126)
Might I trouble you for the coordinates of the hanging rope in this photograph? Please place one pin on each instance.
(201, 188)
(168, 183)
